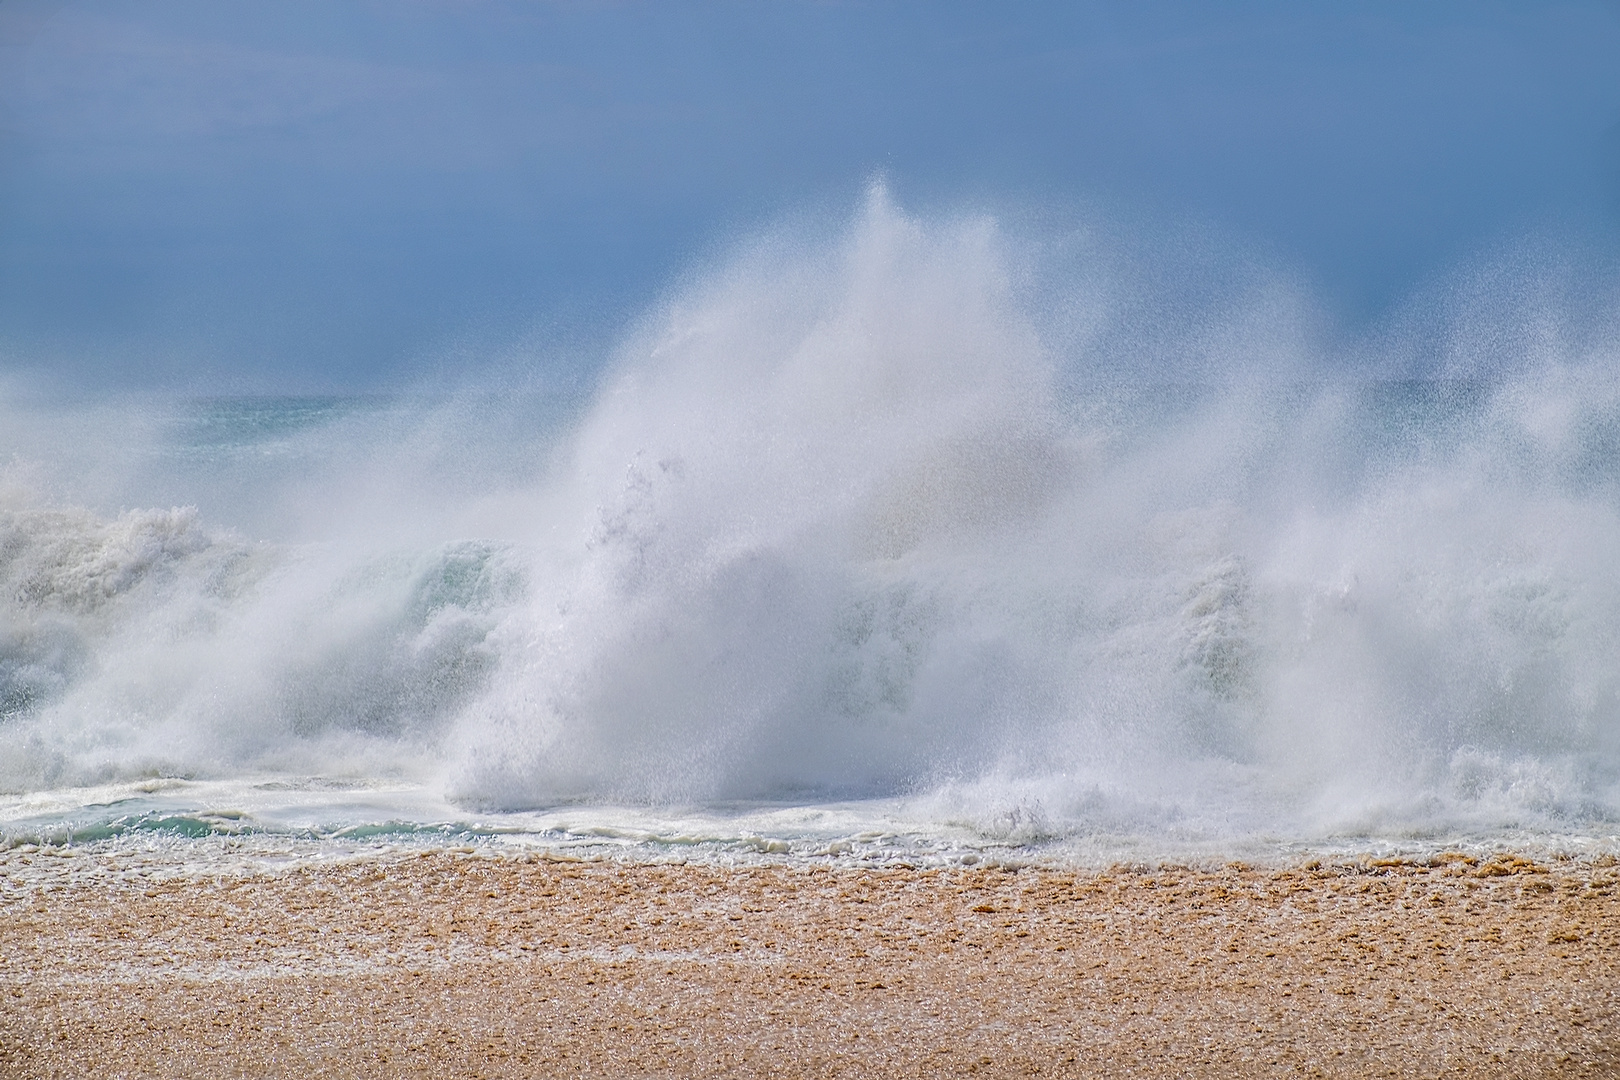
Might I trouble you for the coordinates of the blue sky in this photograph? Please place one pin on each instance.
(340, 194)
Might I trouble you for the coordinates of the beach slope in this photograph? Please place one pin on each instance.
(453, 964)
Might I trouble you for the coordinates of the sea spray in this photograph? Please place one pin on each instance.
(850, 521)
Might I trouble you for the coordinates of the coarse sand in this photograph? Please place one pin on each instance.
(451, 964)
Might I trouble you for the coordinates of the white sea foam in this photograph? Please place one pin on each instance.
(877, 522)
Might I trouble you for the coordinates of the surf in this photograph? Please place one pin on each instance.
(887, 516)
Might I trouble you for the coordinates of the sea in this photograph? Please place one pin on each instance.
(868, 549)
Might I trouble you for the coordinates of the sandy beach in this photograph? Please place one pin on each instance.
(460, 964)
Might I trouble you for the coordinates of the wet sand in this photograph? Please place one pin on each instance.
(456, 964)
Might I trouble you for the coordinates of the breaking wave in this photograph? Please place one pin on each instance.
(877, 517)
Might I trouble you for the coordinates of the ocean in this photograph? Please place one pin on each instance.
(853, 551)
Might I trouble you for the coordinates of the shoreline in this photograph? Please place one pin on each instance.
(457, 963)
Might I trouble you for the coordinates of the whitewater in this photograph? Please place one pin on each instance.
(912, 538)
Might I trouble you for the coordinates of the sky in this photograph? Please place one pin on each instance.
(340, 195)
